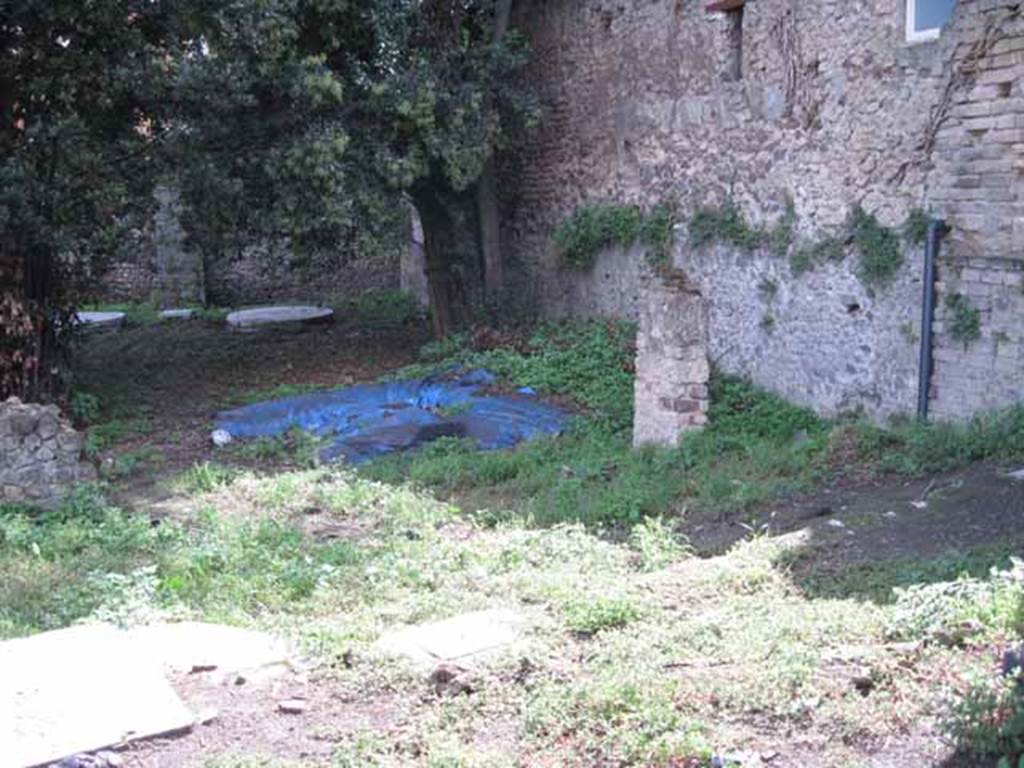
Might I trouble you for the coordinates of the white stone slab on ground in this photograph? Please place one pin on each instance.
(80, 690)
(100, 321)
(177, 314)
(262, 317)
(463, 639)
(190, 645)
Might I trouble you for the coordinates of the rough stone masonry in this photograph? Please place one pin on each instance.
(40, 454)
(672, 368)
(826, 104)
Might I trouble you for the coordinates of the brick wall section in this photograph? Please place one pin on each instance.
(977, 184)
(834, 109)
(986, 373)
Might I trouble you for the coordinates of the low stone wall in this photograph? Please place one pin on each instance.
(672, 368)
(40, 454)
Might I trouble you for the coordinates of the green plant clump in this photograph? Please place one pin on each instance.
(727, 224)
(915, 228)
(964, 319)
(879, 247)
(593, 228)
(915, 447)
(808, 257)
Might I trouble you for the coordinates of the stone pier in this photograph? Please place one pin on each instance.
(672, 368)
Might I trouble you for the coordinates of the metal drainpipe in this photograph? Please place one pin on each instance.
(936, 230)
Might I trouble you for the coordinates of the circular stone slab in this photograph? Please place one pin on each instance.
(252, 319)
(100, 321)
(177, 314)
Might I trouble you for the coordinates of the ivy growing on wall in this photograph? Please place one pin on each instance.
(964, 319)
(880, 248)
(593, 228)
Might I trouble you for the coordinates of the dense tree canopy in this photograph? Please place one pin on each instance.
(297, 119)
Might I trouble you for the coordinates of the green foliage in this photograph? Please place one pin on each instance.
(880, 250)
(588, 617)
(915, 228)
(915, 447)
(727, 224)
(101, 436)
(593, 228)
(591, 472)
(84, 407)
(61, 568)
(964, 319)
(76, 171)
(587, 361)
(987, 723)
(741, 411)
(380, 308)
(206, 478)
(809, 256)
(657, 544)
(295, 448)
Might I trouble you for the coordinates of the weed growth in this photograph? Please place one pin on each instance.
(593, 228)
(879, 247)
(964, 319)
(380, 308)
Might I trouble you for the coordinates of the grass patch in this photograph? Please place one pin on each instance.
(379, 308)
(917, 448)
(278, 392)
(757, 444)
(102, 436)
(588, 617)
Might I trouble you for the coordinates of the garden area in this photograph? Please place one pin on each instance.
(779, 590)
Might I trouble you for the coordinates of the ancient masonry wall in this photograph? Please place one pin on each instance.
(161, 267)
(40, 455)
(833, 109)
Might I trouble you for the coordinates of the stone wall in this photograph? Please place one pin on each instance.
(157, 266)
(163, 268)
(833, 109)
(271, 272)
(40, 455)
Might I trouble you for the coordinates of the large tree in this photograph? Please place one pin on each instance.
(83, 96)
(312, 118)
(307, 120)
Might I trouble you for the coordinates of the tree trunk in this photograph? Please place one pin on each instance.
(438, 245)
(487, 196)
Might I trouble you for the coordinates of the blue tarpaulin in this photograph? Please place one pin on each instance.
(370, 420)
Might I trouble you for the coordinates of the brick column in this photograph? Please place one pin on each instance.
(672, 368)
